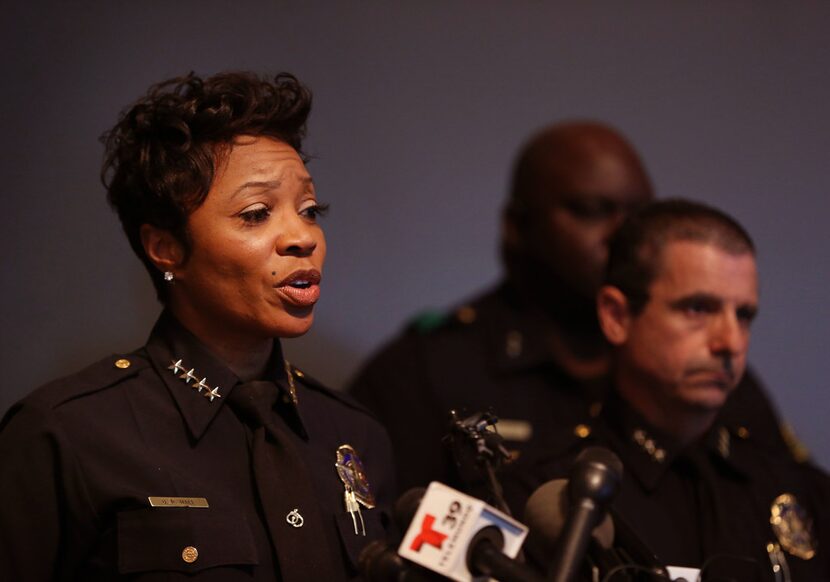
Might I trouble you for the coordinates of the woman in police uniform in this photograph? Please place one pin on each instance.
(204, 454)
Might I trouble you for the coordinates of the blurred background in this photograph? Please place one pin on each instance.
(420, 107)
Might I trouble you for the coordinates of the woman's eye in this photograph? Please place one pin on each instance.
(314, 211)
(255, 215)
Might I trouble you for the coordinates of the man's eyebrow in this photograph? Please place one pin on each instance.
(706, 298)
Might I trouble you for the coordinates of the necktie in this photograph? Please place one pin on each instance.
(284, 488)
(722, 550)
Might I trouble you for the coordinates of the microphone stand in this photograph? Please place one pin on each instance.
(476, 433)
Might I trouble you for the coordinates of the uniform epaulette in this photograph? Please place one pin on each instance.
(798, 449)
(316, 385)
(98, 376)
(564, 442)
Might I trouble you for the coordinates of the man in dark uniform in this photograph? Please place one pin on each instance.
(203, 455)
(699, 489)
(531, 348)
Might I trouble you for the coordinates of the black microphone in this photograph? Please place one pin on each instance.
(461, 537)
(484, 553)
(478, 451)
(545, 514)
(594, 481)
(614, 550)
(485, 558)
(406, 506)
(380, 563)
(634, 550)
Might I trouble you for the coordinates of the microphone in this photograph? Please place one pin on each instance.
(378, 562)
(406, 506)
(634, 550)
(461, 537)
(545, 514)
(614, 550)
(594, 481)
(478, 452)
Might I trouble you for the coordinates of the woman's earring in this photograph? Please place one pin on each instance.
(168, 276)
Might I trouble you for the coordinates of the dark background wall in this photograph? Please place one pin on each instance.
(420, 107)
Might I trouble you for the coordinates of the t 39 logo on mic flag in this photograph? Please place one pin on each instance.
(428, 535)
(444, 525)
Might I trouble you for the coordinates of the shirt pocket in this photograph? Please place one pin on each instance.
(375, 521)
(183, 540)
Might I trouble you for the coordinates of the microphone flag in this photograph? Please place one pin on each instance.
(444, 525)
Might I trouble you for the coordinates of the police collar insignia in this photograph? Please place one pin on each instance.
(793, 526)
(191, 376)
(357, 489)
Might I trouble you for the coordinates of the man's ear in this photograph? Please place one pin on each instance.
(162, 248)
(614, 314)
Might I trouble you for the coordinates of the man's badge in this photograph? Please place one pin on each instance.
(357, 489)
(793, 526)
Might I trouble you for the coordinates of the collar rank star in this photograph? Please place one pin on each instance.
(189, 376)
(357, 489)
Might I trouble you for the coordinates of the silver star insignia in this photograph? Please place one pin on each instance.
(213, 393)
(176, 366)
(201, 385)
(188, 376)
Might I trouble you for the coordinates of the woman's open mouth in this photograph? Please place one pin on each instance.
(302, 288)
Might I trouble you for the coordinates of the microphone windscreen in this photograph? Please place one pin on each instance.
(407, 506)
(545, 514)
(601, 456)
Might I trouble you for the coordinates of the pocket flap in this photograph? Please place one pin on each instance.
(183, 540)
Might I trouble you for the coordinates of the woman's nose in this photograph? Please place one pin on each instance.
(297, 239)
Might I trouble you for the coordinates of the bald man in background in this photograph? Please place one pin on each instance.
(530, 349)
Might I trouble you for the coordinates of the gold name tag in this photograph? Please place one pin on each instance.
(177, 502)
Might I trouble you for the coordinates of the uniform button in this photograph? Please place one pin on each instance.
(743, 432)
(513, 345)
(582, 430)
(298, 373)
(122, 363)
(189, 554)
(466, 314)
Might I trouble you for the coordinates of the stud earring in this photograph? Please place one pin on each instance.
(168, 276)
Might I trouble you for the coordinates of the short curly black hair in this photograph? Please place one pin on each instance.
(161, 156)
